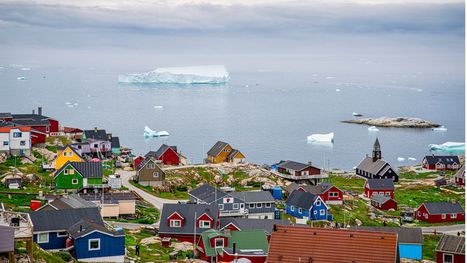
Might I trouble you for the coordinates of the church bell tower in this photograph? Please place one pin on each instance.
(376, 151)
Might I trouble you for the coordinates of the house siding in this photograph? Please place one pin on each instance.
(411, 251)
(109, 246)
(457, 258)
(145, 175)
(436, 218)
(170, 157)
(61, 159)
(55, 242)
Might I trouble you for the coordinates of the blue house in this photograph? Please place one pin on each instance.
(410, 240)
(94, 242)
(306, 205)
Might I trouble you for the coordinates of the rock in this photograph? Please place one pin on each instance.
(358, 222)
(398, 122)
(151, 240)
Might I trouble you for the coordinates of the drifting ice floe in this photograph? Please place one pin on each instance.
(442, 129)
(329, 137)
(412, 159)
(373, 129)
(338, 90)
(25, 69)
(449, 147)
(215, 74)
(400, 159)
(356, 114)
(150, 133)
(158, 107)
(22, 78)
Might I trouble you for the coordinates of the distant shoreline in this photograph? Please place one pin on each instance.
(397, 122)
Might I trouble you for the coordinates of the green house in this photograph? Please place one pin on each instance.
(79, 175)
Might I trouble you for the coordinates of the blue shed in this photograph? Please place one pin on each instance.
(410, 240)
(277, 193)
(94, 242)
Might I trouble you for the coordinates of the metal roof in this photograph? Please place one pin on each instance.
(252, 223)
(55, 220)
(253, 196)
(380, 184)
(217, 148)
(7, 242)
(444, 159)
(406, 235)
(451, 244)
(188, 212)
(84, 226)
(460, 173)
(207, 193)
(443, 208)
(96, 135)
(115, 142)
(368, 165)
(301, 199)
(296, 166)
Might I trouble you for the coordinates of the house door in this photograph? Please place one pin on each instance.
(85, 182)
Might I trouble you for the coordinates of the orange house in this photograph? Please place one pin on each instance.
(222, 152)
(67, 154)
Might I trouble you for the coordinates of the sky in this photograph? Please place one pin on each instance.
(210, 29)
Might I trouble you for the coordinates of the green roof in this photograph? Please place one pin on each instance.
(245, 239)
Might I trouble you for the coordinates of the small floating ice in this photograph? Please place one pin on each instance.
(356, 114)
(25, 69)
(75, 104)
(338, 90)
(441, 129)
(150, 133)
(158, 107)
(22, 78)
(328, 137)
(449, 147)
(373, 129)
(330, 77)
(68, 103)
(412, 159)
(400, 159)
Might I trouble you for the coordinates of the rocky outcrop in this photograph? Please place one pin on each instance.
(398, 122)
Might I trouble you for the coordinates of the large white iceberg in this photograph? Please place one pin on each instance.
(449, 147)
(328, 137)
(150, 133)
(214, 74)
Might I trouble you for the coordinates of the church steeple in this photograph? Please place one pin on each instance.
(376, 151)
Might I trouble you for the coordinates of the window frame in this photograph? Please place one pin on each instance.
(268, 205)
(322, 212)
(155, 174)
(251, 205)
(22, 143)
(175, 220)
(201, 224)
(235, 206)
(39, 241)
(98, 244)
(221, 207)
(62, 235)
(444, 258)
(5, 143)
(259, 205)
(74, 180)
(453, 215)
(215, 242)
(443, 216)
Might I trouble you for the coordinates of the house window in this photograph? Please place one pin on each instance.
(65, 171)
(70, 154)
(425, 215)
(453, 215)
(315, 212)
(71, 171)
(94, 244)
(419, 213)
(22, 143)
(204, 224)
(259, 205)
(219, 242)
(292, 208)
(43, 238)
(242, 206)
(251, 206)
(17, 135)
(5, 143)
(155, 174)
(175, 223)
(388, 193)
(448, 258)
(322, 212)
(299, 210)
(333, 194)
(62, 234)
(443, 216)
(318, 203)
(235, 206)
(96, 145)
(221, 206)
(267, 205)
(74, 181)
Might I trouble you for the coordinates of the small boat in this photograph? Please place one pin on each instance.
(356, 114)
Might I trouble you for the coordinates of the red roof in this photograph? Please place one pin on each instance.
(327, 245)
(21, 128)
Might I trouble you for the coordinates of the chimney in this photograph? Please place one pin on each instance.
(109, 136)
(234, 248)
(95, 129)
(309, 162)
(39, 110)
(80, 228)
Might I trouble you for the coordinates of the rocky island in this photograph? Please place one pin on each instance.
(398, 122)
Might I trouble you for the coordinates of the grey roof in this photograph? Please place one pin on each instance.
(207, 193)
(444, 159)
(31, 119)
(115, 142)
(146, 161)
(86, 169)
(452, 244)
(380, 184)
(380, 198)
(7, 242)
(296, 166)
(56, 220)
(5, 115)
(444, 208)
(368, 165)
(314, 189)
(163, 148)
(70, 202)
(301, 199)
(233, 153)
(188, 212)
(85, 226)
(117, 196)
(96, 135)
(405, 235)
(217, 148)
(460, 173)
(253, 196)
(252, 224)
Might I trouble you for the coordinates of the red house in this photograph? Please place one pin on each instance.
(441, 162)
(450, 249)
(384, 187)
(297, 169)
(437, 212)
(178, 221)
(328, 192)
(137, 161)
(167, 154)
(382, 202)
(459, 177)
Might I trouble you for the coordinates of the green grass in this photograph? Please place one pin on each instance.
(352, 210)
(145, 215)
(429, 246)
(419, 175)
(45, 256)
(355, 184)
(175, 195)
(64, 140)
(414, 195)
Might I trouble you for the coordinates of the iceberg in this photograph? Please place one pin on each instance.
(329, 137)
(448, 147)
(213, 74)
(373, 129)
(400, 159)
(356, 114)
(22, 78)
(441, 129)
(158, 107)
(150, 133)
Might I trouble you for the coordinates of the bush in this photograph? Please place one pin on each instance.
(182, 188)
(64, 255)
(254, 184)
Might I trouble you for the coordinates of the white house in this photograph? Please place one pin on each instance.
(15, 140)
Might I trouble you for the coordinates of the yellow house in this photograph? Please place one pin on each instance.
(223, 152)
(67, 154)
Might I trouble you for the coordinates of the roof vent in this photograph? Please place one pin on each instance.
(351, 235)
(314, 233)
(382, 237)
